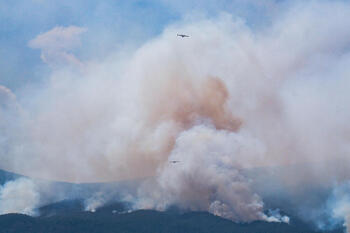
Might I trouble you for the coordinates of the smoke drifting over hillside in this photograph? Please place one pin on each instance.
(229, 98)
(19, 196)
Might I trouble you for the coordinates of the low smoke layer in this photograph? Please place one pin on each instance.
(228, 98)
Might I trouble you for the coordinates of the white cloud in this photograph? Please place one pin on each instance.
(8, 102)
(6, 94)
(57, 44)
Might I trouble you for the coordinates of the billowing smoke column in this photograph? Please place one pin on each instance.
(227, 99)
(222, 189)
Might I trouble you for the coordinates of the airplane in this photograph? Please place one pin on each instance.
(183, 35)
(174, 161)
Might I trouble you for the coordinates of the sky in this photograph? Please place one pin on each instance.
(118, 21)
(111, 24)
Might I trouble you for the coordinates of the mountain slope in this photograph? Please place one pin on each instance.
(108, 220)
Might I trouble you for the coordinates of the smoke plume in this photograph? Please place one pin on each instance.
(229, 98)
(19, 196)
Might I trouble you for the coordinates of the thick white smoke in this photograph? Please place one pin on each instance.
(208, 177)
(19, 196)
(228, 98)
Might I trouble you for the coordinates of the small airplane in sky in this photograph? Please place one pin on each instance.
(174, 161)
(183, 35)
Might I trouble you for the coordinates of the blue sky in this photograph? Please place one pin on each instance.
(22, 20)
(110, 23)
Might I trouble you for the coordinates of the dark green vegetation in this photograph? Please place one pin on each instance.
(67, 217)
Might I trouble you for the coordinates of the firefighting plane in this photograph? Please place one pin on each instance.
(183, 35)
